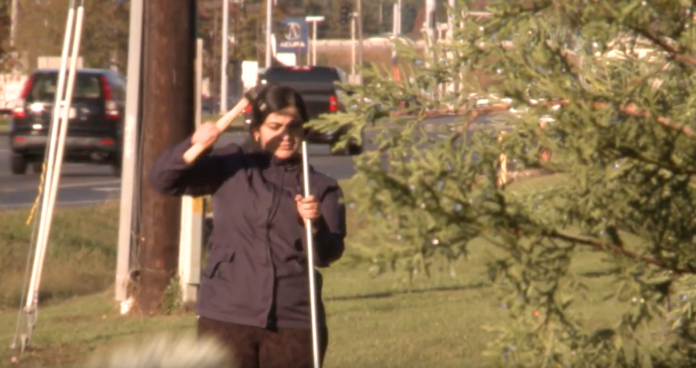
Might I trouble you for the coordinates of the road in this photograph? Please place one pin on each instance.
(82, 184)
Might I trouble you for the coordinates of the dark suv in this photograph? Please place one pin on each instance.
(317, 86)
(95, 120)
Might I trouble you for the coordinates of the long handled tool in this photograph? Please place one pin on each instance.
(249, 97)
(310, 260)
(192, 153)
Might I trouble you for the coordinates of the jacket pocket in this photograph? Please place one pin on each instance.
(215, 260)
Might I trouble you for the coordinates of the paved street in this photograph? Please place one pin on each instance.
(84, 184)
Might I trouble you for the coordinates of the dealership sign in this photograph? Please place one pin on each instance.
(294, 36)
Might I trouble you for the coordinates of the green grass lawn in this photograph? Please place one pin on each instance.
(375, 322)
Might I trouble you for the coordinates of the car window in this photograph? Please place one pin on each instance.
(44, 87)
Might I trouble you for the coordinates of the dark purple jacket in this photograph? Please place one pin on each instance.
(257, 269)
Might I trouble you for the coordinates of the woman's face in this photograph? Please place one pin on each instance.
(280, 134)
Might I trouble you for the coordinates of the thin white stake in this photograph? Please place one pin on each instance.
(55, 179)
(310, 260)
(32, 297)
(60, 150)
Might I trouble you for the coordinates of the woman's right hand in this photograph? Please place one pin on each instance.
(206, 134)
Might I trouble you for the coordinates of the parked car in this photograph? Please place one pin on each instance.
(317, 86)
(95, 127)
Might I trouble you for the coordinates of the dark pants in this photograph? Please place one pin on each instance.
(255, 347)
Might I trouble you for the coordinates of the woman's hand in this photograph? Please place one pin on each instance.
(206, 134)
(308, 208)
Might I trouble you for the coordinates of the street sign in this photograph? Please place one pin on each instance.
(294, 37)
(314, 18)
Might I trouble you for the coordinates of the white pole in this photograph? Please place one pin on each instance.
(33, 294)
(352, 46)
(312, 51)
(310, 262)
(130, 150)
(428, 23)
(395, 26)
(395, 20)
(191, 236)
(225, 55)
(269, 26)
(398, 17)
(314, 43)
(53, 187)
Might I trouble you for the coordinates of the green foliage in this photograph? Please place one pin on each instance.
(8, 61)
(41, 28)
(615, 80)
(172, 302)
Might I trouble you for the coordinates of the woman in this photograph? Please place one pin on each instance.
(254, 292)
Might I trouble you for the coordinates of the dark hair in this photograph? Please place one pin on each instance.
(277, 99)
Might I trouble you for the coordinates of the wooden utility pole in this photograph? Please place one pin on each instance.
(168, 118)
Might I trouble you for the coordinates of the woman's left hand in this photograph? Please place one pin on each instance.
(308, 208)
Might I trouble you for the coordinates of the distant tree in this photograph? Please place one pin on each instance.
(8, 58)
(104, 43)
(4, 33)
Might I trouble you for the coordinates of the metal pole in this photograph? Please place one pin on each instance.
(47, 212)
(399, 12)
(360, 36)
(450, 36)
(62, 135)
(130, 149)
(352, 46)
(33, 296)
(269, 29)
(168, 114)
(310, 263)
(225, 55)
(380, 17)
(395, 20)
(32, 301)
(191, 237)
(395, 26)
(198, 83)
(314, 44)
(430, 39)
(430, 7)
(13, 26)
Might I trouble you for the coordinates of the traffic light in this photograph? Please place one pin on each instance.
(346, 9)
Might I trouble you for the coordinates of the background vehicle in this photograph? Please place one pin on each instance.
(318, 88)
(95, 120)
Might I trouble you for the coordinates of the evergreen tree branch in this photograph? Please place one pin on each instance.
(618, 250)
(660, 42)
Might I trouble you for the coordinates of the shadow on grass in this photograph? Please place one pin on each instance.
(390, 294)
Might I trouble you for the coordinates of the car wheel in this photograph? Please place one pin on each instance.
(18, 164)
(37, 167)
